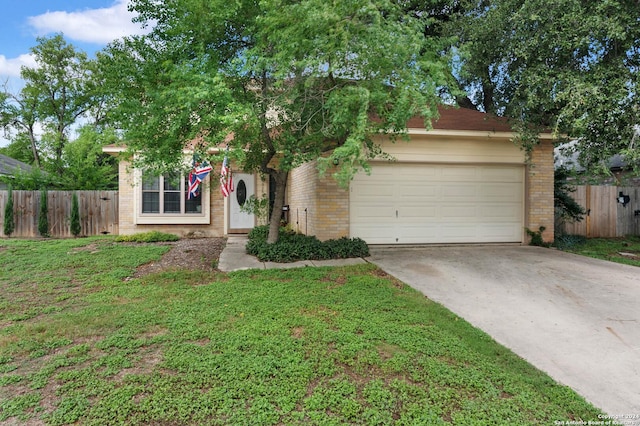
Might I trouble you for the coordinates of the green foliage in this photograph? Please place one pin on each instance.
(620, 250)
(341, 346)
(75, 226)
(292, 247)
(329, 75)
(147, 237)
(57, 89)
(19, 148)
(86, 166)
(258, 207)
(43, 213)
(33, 180)
(9, 224)
(569, 242)
(566, 208)
(571, 68)
(536, 237)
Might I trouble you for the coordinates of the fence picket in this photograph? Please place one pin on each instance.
(607, 218)
(98, 212)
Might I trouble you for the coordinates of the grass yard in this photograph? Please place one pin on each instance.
(82, 343)
(621, 250)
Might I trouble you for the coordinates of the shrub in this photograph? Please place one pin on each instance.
(292, 247)
(536, 237)
(9, 221)
(76, 228)
(147, 237)
(43, 220)
(569, 241)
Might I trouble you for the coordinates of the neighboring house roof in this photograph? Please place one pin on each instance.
(565, 155)
(9, 166)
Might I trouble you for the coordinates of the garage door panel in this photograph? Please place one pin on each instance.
(509, 192)
(458, 212)
(458, 191)
(438, 203)
(375, 212)
(457, 233)
(407, 234)
(500, 232)
(499, 212)
(459, 173)
(377, 234)
(374, 192)
(502, 174)
(418, 212)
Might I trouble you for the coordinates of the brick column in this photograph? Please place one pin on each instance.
(540, 175)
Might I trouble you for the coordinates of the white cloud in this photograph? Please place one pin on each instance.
(11, 67)
(98, 26)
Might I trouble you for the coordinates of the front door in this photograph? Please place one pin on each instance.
(243, 188)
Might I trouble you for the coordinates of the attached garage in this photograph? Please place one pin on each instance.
(400, 203)
(462, 181)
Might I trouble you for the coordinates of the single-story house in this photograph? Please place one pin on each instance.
(9, 166)
(464, 181)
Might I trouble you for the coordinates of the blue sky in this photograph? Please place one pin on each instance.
(87, 24)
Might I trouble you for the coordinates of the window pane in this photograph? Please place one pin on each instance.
(150, 182)
(172, 182)
(171, 202)
(194, 205)
(150, 202)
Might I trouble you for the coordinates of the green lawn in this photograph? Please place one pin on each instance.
(621, 250)
(82, 343)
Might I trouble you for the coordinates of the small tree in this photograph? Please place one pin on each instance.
(75, 216)
(9, 221)
(43, 220)
(566, 207)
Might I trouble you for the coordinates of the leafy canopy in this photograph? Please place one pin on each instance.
(290, 80)
(295, 78)
(567, 65)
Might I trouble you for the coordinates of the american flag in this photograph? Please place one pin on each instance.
(197, 175)
(226, 178)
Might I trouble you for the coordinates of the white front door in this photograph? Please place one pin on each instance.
(243, 188)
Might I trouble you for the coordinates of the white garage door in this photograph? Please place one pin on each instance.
(437, 203)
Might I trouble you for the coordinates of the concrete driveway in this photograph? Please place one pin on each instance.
(576, 318)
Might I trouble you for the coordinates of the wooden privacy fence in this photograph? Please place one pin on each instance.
(98, 212)
(605, 216)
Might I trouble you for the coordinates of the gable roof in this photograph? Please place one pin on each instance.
(8, 165)
(452, 118)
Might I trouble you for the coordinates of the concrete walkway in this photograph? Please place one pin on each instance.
(234, 257)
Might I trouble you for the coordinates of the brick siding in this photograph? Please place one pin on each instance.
(317, 205)
(126, 188)
(539, 202)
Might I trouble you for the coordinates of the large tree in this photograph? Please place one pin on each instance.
(57, 92)
(292, 81)
(568, 65)
(18, 113)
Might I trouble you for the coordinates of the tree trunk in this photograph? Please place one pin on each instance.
(34, 146)
(274, 221)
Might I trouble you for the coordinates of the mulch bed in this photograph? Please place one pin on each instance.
(187, 253)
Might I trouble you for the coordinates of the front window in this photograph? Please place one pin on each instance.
(167, 194)
(165, 199)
